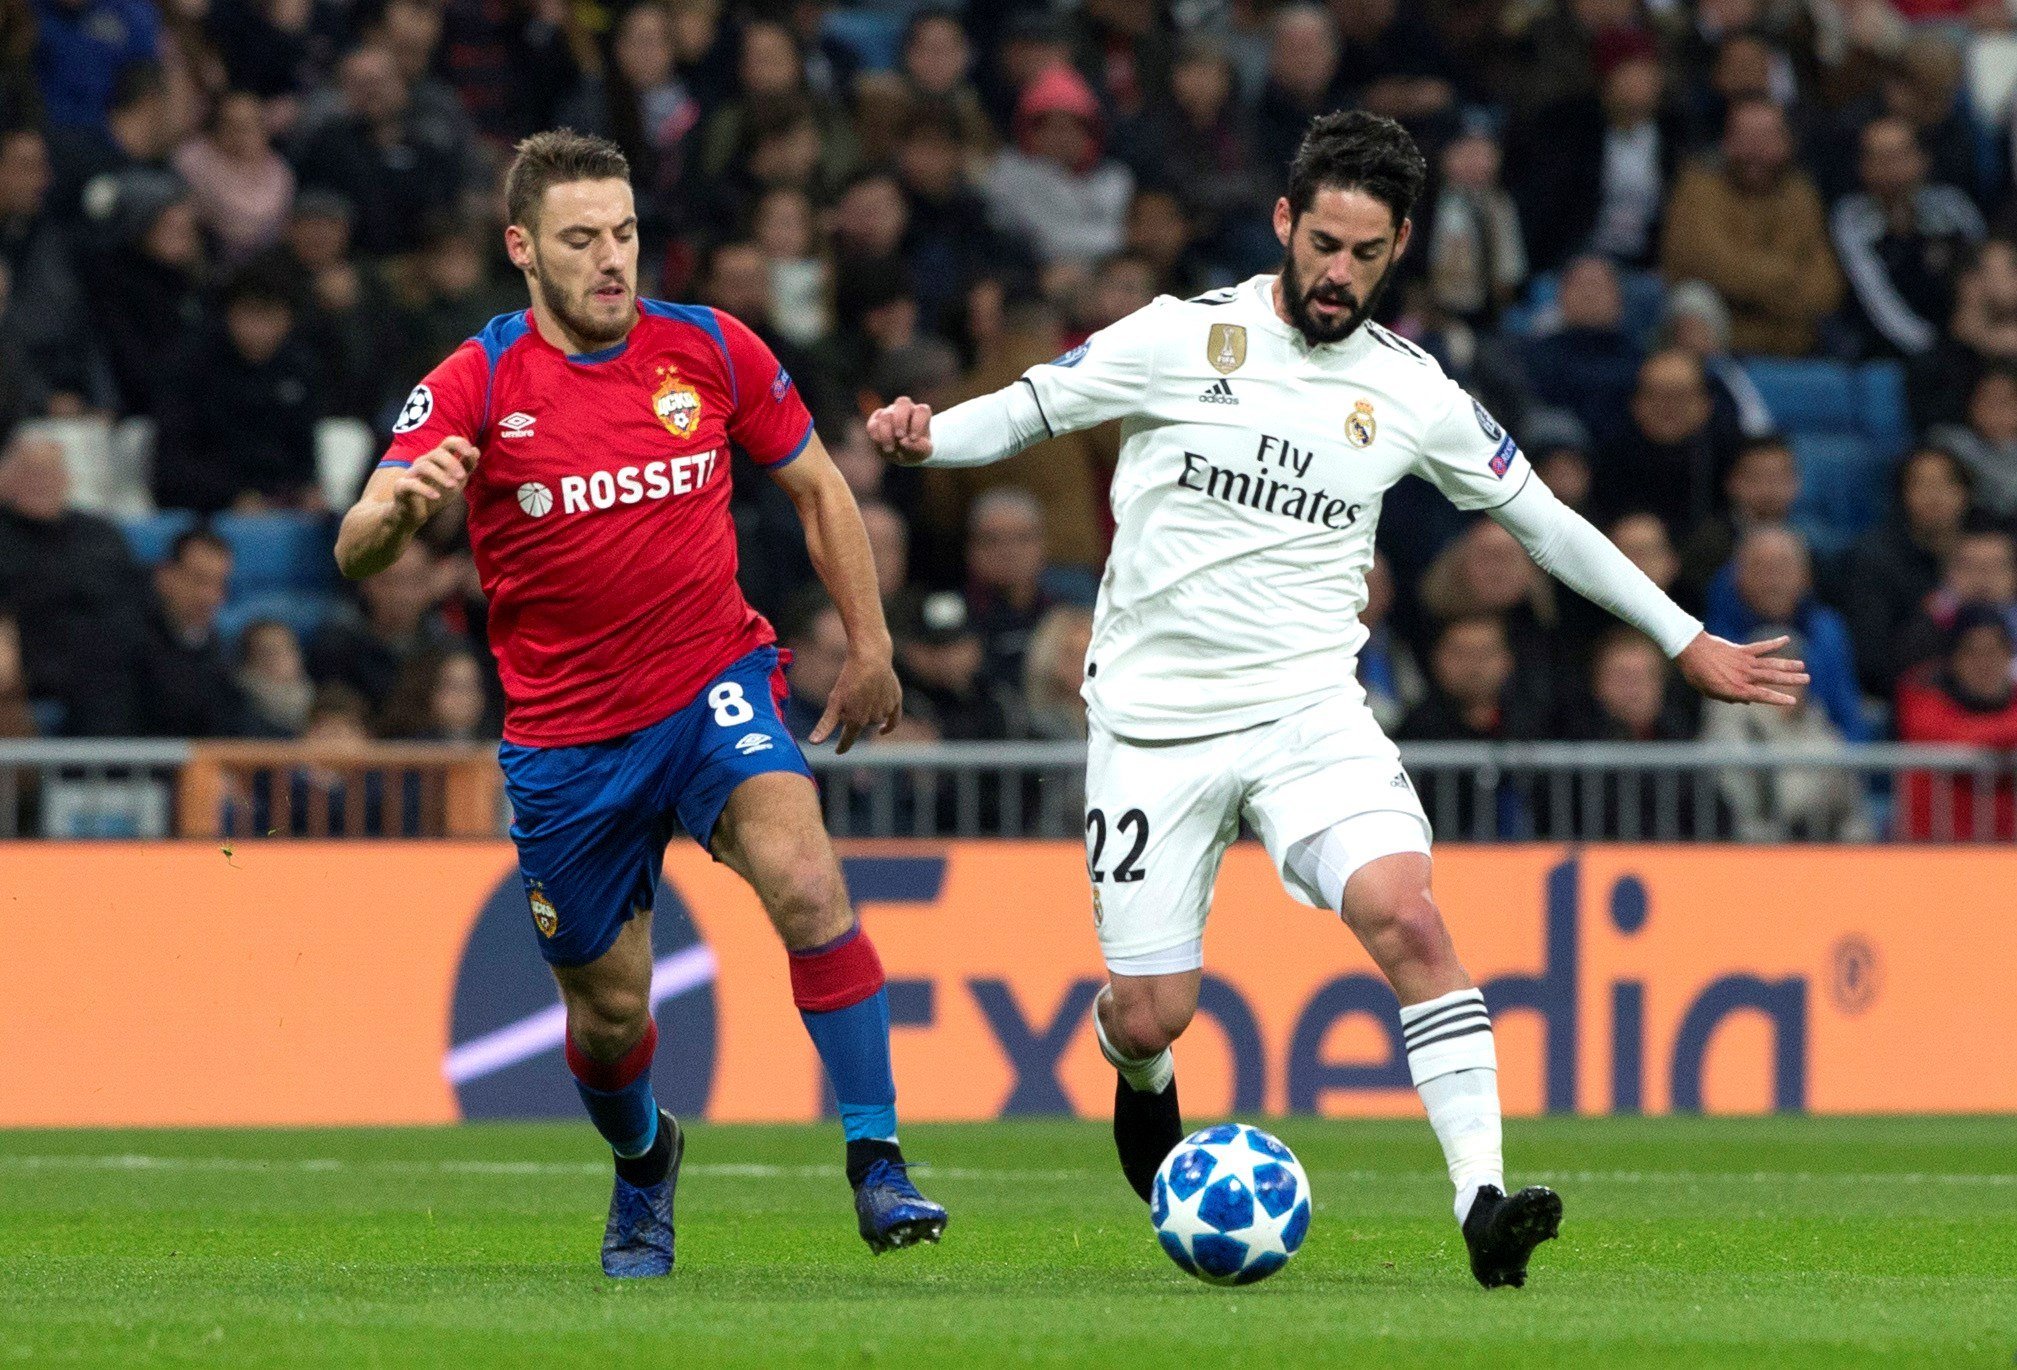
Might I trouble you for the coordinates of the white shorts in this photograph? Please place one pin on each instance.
(1160, 815)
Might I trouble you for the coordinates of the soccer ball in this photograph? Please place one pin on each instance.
(1231, 1204)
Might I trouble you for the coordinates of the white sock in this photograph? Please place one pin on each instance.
(1456, 1070)
(1145, 1075)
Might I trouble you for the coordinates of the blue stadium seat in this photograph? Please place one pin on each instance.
(150, 535)
(1644, 296)
(874, 36)
(278, 552)
(1880, 408)
(302, 610)
(1842, 485)
(1807, 396)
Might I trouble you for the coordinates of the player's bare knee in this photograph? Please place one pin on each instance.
(607, 1020)
(1410, 928)
(808, 899)
(1143, 1024)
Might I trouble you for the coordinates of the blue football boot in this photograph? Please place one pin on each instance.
(892, 1213)
(637, 1242)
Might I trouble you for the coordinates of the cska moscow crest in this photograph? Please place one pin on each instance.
(544, 915)
(677, 406)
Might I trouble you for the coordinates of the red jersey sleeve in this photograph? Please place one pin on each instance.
(770, 422)
(448, 403)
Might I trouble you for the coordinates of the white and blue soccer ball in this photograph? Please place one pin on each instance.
(1231, 1204)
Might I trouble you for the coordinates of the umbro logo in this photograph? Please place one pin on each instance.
(749, 744)
(517, 425)
(1219, 392)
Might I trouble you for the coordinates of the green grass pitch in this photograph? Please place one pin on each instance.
(1778, 1241)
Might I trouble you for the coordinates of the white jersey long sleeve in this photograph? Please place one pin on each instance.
(1251, 473)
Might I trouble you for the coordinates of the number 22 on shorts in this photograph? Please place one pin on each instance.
(1096, 830)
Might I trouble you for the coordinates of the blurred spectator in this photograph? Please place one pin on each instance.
(1471, 698)
(811, 629)
(801, 281)
(440, 697)
(1698, 321)
(773, 94)
(17, 718)
(1587, 364)
(243, 189)
(1399, 66)
(400, 619)
(1987, 443)
(1005, 593)
(273, 680)
(1668, 459)
(186, 685)
(1901, 242)
(1558, 445)
(396, 168)
(1631, 699)
(1198, 142)
(1644, 540)
(949, 241)
(1752, 228)
(511, 66)
(1486, 572)
(92, 164)
(237, 414)
(1054, 672)
(1780, 802)
(1774, 588)
(1892, 569)
(81, 48)
(1760, 488)
(1301, 81)
(641, 104)
(1966, 697)
(448, 294)
(940, 656)
(77, 596)
(1386, 665)
(45, 322)
(1066, 475)
(148, 302)
(1982, 332)
(889, 543)
(1980, 567)
(1160, 233)
(346, 312)
(736, 278)
(1477, 256)
(334, 794)
(275, 48)
(937, 62)
(1054, 187)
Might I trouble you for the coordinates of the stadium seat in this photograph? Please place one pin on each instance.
(150, 534)
(278, 552)
(1807, 396)
(1880, 408)
(1644, 294)
(302, 610)
(1842, 484)
(873, 36)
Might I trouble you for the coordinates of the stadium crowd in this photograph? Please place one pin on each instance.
(239, 219)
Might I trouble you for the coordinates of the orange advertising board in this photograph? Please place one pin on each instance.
(331, 983)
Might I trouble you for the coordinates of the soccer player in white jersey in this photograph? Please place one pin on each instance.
(1262, 425)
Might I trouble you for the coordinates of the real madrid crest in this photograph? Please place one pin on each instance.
(1360, 425)
(1226, 347)
(676, 405)
(545, 916)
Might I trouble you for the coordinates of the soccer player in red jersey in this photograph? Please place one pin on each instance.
(590, 437)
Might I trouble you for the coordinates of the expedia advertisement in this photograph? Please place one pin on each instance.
(305, 983)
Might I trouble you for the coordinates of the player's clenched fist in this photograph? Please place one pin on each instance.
(433, 477)
(901, 431)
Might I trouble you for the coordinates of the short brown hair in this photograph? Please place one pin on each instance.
(554, 158)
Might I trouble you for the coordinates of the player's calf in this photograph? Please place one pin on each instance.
(1136, 1018)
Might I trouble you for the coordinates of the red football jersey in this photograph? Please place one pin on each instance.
(598, 513)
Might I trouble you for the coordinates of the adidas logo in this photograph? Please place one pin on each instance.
(749, 744)
(1400, 781)
(1219, 392)
(517, 425)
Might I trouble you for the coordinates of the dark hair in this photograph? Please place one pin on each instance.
(264, 280)
(195, 537)
(1354, 150)
(1970, 617)
(1469, 620)
(557, 157)
(136, 83)
(1766, 442)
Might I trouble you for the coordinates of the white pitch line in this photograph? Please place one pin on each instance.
(758, 1171)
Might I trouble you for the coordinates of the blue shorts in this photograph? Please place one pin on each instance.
(591, 822)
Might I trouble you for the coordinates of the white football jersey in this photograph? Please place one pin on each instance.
(1251, 472)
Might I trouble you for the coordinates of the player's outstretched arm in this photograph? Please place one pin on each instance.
(867, 695)
(396, 503)
(1565, 545)
(976, 432)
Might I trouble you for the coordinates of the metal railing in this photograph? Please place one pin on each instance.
(1558, 791)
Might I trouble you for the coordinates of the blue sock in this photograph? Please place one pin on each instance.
(617, 1094)
(853, 1043)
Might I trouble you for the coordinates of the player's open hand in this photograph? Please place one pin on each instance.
(901, 431)
(866, 696)
(432, 478)
(1741, 674)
